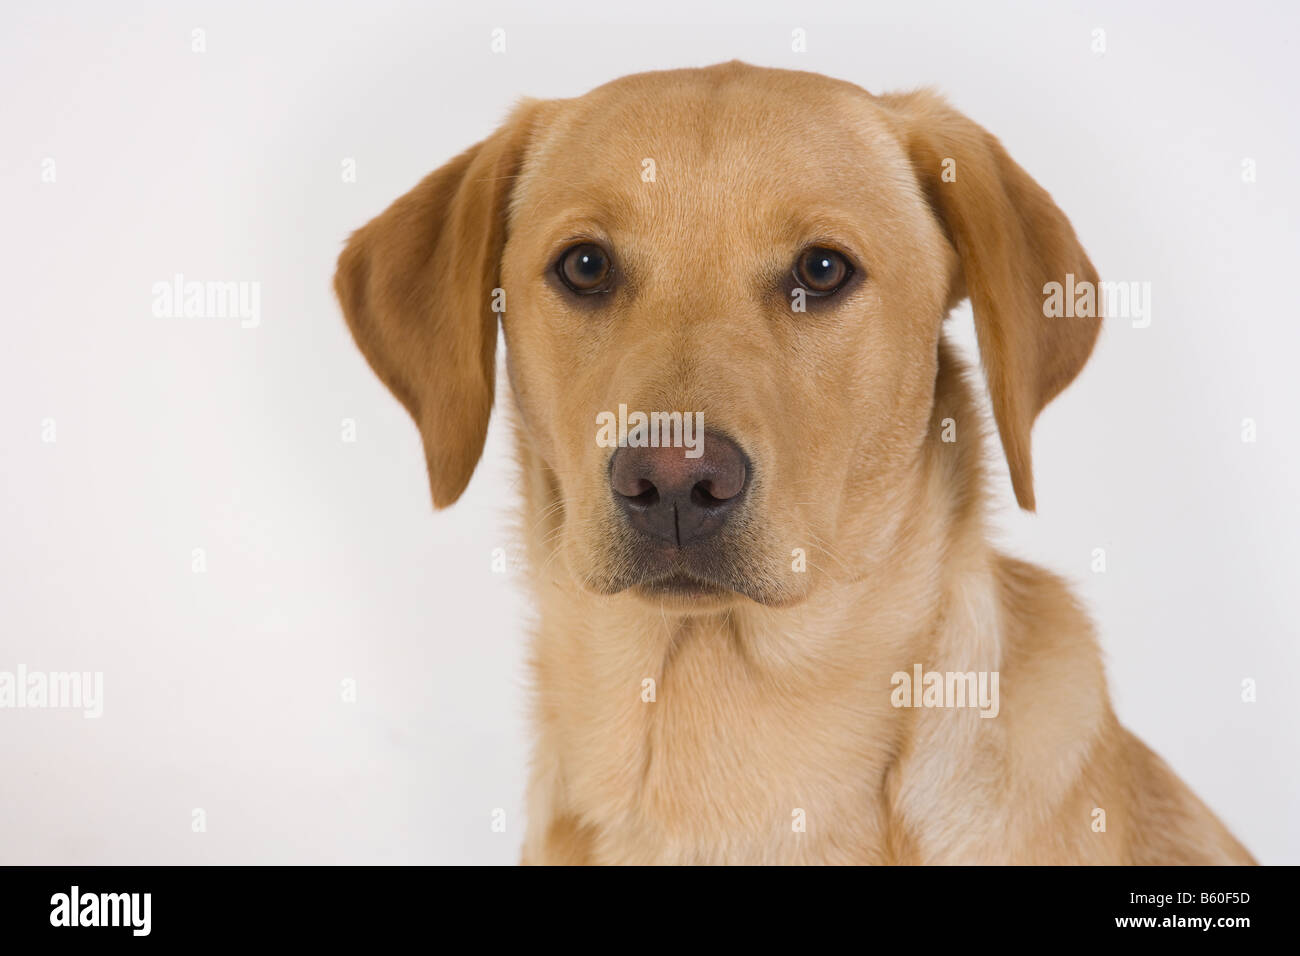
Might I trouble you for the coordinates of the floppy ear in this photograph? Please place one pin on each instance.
(416, 285)
(1011, 240)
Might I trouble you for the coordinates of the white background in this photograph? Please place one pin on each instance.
(324, 559)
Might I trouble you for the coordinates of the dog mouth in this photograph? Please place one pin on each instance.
(685, 588)
(704, 577)
(680, 584)
(705, 573)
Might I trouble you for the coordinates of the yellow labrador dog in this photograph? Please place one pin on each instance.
(772, 628)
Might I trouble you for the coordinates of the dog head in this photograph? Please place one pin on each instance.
(721, 292)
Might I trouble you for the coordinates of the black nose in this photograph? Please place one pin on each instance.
(676, 499)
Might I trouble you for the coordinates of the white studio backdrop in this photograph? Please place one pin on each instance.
(135, 449)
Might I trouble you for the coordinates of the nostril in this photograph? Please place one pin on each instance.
(702, 495)
(644, 494)
(632, 478)
(726, 483)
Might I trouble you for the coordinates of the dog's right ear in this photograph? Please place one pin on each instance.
(417, 287)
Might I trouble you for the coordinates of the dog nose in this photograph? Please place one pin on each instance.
(677, 499)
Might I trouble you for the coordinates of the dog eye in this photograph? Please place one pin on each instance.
(585, 268)
(822, 271)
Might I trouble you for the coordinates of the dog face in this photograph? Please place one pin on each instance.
(769, 255)
(786, 288)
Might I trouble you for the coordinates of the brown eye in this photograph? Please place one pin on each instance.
(585, 268)
(822, 271)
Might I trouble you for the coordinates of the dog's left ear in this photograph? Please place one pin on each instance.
(1011, 241)
(417, 288)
